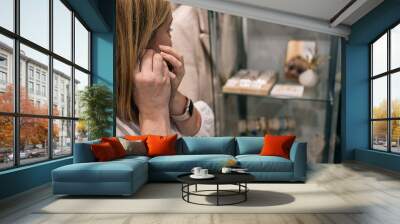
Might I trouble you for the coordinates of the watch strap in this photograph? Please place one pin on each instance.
(188, 112)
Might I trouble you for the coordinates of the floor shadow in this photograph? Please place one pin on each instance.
(255, 198)
(148, 191)
(94, 196)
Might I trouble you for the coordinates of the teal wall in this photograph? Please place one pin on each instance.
(24, 178)
(102, 59)
(355, 96)
(381, 159)
(99, 16)
(103, 52)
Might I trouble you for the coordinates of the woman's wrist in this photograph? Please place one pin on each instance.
(178, 104)
(155, 123)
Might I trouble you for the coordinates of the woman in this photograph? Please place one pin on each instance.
(149, 72)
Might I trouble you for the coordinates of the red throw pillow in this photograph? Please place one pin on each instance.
(161, 145)
(277, 146)
(103, 151)
(116, 145)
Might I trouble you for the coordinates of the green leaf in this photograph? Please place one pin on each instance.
(96, 102)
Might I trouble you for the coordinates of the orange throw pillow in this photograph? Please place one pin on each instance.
(103, 151)
(161, 145)
(277, 146)
(116, 145)
(136, 137)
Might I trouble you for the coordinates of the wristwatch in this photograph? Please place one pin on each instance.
(188, 111)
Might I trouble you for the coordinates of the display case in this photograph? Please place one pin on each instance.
(300, 99)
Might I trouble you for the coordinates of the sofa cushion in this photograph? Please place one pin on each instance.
(249, 145)
(131, 158)
(206, 145)
(136, 137)
(257, 163)
(113, 171)
(185, 163)
(103, 152)
(278, 145)
(116, 145)
(134, 147)
(161, 145)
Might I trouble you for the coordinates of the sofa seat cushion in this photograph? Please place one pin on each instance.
(185, 163)
(133, 158)
(112, 171)
(257, 163)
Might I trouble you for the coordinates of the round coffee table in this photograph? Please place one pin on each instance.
(238, 179)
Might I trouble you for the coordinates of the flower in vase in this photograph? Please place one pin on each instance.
(231, 163)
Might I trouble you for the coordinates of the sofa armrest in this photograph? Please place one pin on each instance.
(298, 155)
(83, 152)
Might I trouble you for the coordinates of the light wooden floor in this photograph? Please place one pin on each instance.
(351, 181)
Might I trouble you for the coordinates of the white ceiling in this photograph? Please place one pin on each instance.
(321, 9)
(363, 10)
(315, 15)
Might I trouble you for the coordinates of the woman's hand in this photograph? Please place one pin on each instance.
(152, 91)
(178, 101)
(175, 59)
(152, 88)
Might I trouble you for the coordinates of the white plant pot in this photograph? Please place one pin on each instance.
(308, 78)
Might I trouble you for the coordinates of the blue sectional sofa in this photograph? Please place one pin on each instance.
(125, 176)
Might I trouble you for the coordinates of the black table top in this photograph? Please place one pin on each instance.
(220, 178)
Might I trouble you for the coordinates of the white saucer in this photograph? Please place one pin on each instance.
(208, 176)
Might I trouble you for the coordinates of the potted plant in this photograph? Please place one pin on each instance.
(96, 104)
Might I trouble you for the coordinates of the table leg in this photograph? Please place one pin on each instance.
(245, 193)
(188, 189)
(217, 194)
(196, 187)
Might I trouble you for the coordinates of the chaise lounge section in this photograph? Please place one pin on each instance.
(272, 168)
(125, 176)
(88, 177)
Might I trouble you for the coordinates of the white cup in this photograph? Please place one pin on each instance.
(203, 172)
(226, 170)
(196, 171)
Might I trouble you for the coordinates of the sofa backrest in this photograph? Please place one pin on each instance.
(249, 145)
(191, 146)
(83, 152)
(206, 145)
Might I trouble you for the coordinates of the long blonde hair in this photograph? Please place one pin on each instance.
(136, 21)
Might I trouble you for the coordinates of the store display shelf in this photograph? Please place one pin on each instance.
(305, 97)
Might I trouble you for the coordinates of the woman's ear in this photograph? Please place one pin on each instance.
(152, 45)
(153, 48)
